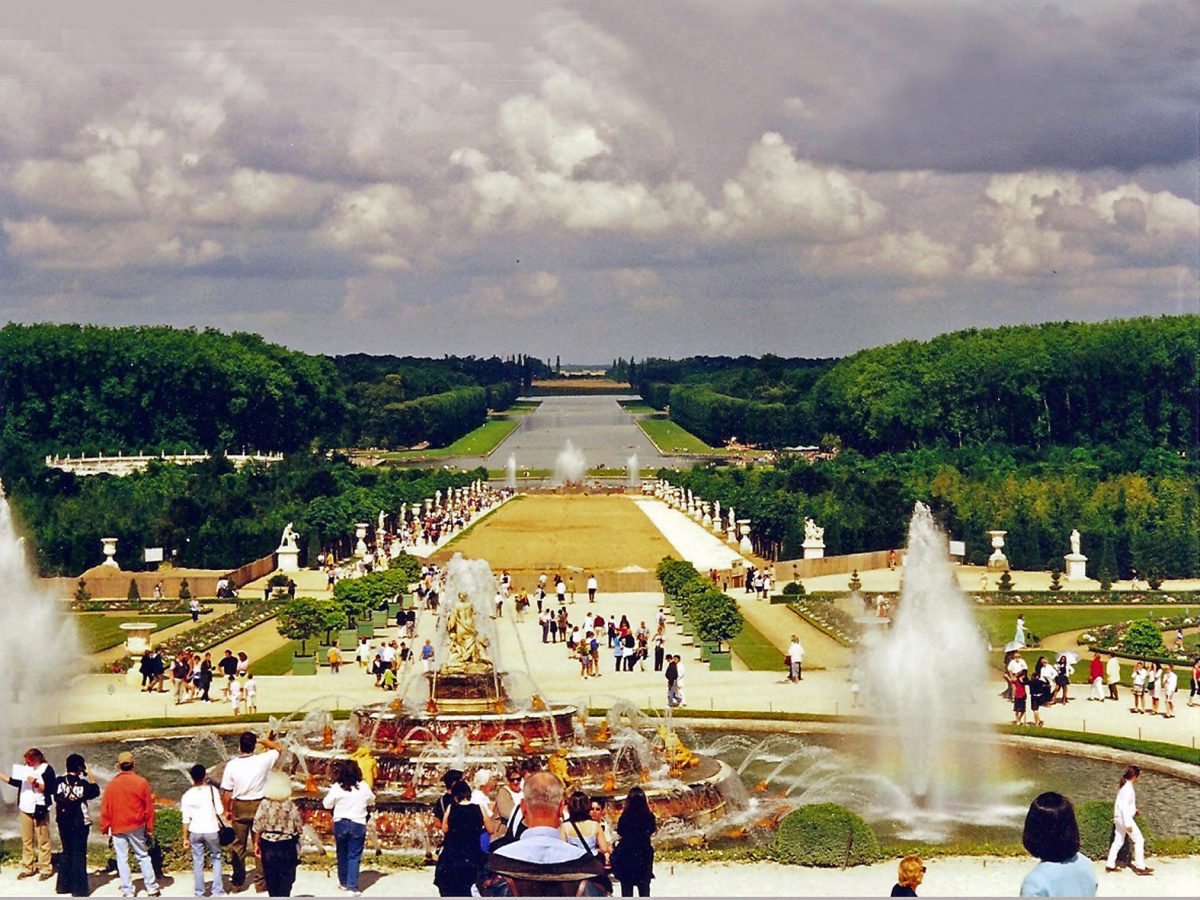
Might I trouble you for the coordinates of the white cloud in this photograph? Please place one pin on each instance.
(378, 222)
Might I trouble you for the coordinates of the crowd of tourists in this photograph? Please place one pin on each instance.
(194, 676)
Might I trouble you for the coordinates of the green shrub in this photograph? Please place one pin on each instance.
(185, 592)
(1096, 829)
(168, 829)
(855, 581)
(1142, 638)
(817, 835)
(82, 594)
(278, 580)
(1154, 579)
(1105, 577)
(133, 595)
(793, 589)
(1055, 579)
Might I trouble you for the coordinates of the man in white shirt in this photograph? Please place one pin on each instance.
(1112, 674)
(795, 659)
(198, 807)
(592, 586)
(242, 788)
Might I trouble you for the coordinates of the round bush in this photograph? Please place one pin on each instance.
(168, 829)
(1096, 830)
(816, 835)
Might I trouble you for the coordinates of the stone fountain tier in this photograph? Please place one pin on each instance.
(479, 691)
(382, 727)
(694, 800)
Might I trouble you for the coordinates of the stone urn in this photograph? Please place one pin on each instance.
(360, 532)
(110, 552)
(997, 561)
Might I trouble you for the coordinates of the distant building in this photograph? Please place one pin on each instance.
(124, 465)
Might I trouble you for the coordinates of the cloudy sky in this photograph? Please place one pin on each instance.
(600, 179)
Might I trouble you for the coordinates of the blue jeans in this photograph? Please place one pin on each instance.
(349, 838)
(200, 843)
(122, 844)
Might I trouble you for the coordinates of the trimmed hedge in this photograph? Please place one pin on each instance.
(817, 835)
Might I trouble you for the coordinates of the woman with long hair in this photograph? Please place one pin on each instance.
(1052, 835)
(1124, 826)
(36, 787)
(581, 830)
(1039, 691)
(633, 859)
(1062, 679)
(71, 798)
(350, 799)
(1138, 681)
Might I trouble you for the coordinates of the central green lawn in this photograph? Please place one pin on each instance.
(480, 442)
(1001, 623)
(100, 632)
(758, 653)
(637, 408)
(279, 662)
(671, 438)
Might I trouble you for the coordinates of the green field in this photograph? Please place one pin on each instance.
(480, 442)
(279, 662)
(100, 632)
(638, 408)
(670, 438)
(758, 653)
(520, 408)
(1001, 623)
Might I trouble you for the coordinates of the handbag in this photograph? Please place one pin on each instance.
(603, 881)
(225, 833)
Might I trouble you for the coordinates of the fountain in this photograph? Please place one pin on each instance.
(633, 476)
(36, 658)
(570, 466)
(510, 472)
(467, 716)
(928, 758)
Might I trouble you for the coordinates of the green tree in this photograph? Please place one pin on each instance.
(717, 618)
(1142, 638)
(185, 592)
(301, 620)
(133, 595)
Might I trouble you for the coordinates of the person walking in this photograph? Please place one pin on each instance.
(1096, 677)
(1138, 681)
(1052, 835)
(660, 651)
(1170, 684)
(75, 789)
(36, 784)
(592, 586)
(242, 790)
(127, 816)
(672, 676)
(335, 659)
(349, 798)
(633, 857)
(795, 660)
(1195, 686)
(1125, 827)
(199, 810)
(277, 827)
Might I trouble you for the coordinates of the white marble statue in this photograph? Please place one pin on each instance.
(813, 531)
(287, 541)
(1075, 542)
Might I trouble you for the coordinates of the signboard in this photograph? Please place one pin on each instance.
(153, 554)
(958, 548)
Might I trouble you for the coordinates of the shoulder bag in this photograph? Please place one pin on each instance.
(225, 833)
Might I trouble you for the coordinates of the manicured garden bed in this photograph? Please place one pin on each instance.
(100, 632)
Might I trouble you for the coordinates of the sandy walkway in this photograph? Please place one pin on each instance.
(950, 877)
(691, 541)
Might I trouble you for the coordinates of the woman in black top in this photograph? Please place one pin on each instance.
(74, 791)
(912, 872)
(462, 824)
(633, 858)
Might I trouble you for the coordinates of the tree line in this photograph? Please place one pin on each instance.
(1058, 384)
(210, 515)
(90, 389)
(1141, 512)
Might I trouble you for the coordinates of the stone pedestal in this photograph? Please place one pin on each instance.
(360, 532)
(745, 546)
(287, 559)
(1076, 567)
(814, 548)
(110, 552)
(997, 561)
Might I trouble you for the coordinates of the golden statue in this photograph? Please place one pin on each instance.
(466, 650)
(556, 765)
(366, 764)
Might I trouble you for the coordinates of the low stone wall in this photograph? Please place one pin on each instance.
(832, 565)
(104, 583)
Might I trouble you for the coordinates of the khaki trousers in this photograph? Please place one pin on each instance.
(243, 819)
(35, 845)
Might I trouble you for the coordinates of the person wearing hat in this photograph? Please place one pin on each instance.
(127, 816)
(277, 827)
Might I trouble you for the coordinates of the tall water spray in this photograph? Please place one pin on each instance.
(570, 466)
(633, 477)
(39, 649)
(925, 676)
(510, 472)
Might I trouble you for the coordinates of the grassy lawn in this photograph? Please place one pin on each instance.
(758, 653)
(480, 442)
(638, 408)
(520, 408)
(1043, 621)
(670, 438)
(279, 662)
(100, 632)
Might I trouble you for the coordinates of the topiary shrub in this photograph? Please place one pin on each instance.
(1005, 584)
(1105, 578)
(185, 592)
(1142, 638)
(1154, 579)
(855, 581)
(82, 594)
(1096, 831)
(793, 589)
(133, 595)
(168, 829)
(1056, 579)
(817, 835)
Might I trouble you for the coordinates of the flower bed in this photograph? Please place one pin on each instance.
(1064, 598)
(1108, 639)
(826, 617)
(219, 630)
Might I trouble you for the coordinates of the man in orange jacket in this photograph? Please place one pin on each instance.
(127, 814)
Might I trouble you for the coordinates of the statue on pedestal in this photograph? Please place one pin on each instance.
(1075, 542)
(812, 531)
(466, 649)
(287, 541)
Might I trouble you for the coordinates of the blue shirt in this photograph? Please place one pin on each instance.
(541, 844)
(1074, 878)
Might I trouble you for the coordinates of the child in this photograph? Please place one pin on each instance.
(250, 688)
(389, 679)
(235, 695)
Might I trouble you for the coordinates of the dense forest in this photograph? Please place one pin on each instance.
(1063, 384)
(89, 389)
(210, 515)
